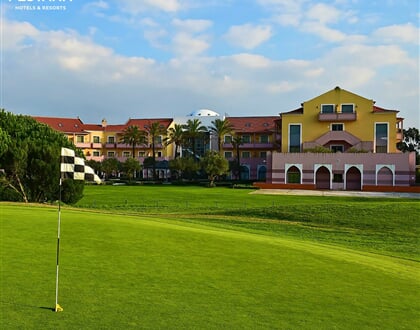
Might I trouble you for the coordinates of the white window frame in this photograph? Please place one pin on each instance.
(245, 152)
(332, 124)
(387, 136)
(227, 139)
(300, 136)
(337, 145)
(352, 104)
(228, 154)
(324, 104)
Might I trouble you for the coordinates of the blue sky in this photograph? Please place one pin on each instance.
(120, 59)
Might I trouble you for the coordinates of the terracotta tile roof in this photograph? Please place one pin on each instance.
(378, 109)
(296, 111)
(254, 124)
(144, 123)
(65, 125)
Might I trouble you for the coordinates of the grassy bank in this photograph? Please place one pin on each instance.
(385, 226)
(168, 271)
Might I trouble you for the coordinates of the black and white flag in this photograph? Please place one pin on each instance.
(73, 167)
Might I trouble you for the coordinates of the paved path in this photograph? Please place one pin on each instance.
(335, 193)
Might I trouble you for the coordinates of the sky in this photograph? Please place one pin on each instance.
(121, 59)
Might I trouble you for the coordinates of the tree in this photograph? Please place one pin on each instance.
(155, 131)
(133, 136)
(193, 131)
(30, 161)
(185, 167)
(110, 166)
(411, 141)
(175, 136)
(214, 165)
(236, 143)
(220, 128)
(131, 166)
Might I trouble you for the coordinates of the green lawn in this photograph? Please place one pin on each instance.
(210, 259)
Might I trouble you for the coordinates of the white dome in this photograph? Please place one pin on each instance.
(204, 113)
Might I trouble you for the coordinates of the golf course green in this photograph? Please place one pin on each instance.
(197, 258)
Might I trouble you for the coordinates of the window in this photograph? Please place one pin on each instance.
(228, 138)
(159, 154)
(264, 138)
(327, 108)
(246, 138)
(158, 139)
(80, 139)
(111, 153)
(246, 154)
(347, 108)
(96, 139)
(294, 137)
(338, 177)
(381, 137)
(126, 153)
(96, 154)
(337, 127)
(142, 153)
(111, 139)
(263, 154)
(228, 154)
(337, 148)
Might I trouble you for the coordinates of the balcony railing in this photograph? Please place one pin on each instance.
(337, 116)
(261, 146)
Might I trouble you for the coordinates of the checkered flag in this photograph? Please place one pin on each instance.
(73, 167)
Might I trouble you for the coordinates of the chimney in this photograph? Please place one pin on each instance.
(104, 123)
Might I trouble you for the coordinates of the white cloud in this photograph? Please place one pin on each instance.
(323, 31)
(323, 13)
(407, 33)
(19, 35)
(186, 45)
(78, 76)
(248, 36)
(251, 61)
(135, 7)
(192, 25)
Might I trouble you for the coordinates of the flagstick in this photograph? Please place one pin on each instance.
(57, 306)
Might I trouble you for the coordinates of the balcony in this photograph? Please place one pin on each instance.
(82, 145)
(251, 146)
(337, 116)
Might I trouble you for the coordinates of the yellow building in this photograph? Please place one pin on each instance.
(340, 120)
(341, 141)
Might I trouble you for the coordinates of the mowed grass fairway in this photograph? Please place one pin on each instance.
(198, 258)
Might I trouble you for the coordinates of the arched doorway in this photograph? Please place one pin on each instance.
(385, 177)
(262, 173)
(293, 175)
(245, 172)
(322, 178)
(353, 179)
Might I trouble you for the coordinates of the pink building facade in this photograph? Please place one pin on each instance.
(342, 171)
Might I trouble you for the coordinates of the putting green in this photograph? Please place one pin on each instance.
(138, 272)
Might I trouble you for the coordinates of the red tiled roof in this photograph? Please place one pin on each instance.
(144, 123)
(65, 125)
(296, 111)
(378, 109)
(253, 124)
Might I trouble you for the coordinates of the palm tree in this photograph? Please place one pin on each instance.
(133, 136)
(236, 143)
(193, 130)
(220, 128)
(155, 130)
(176, 136)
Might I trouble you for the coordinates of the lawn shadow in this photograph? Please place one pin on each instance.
(27, 306)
